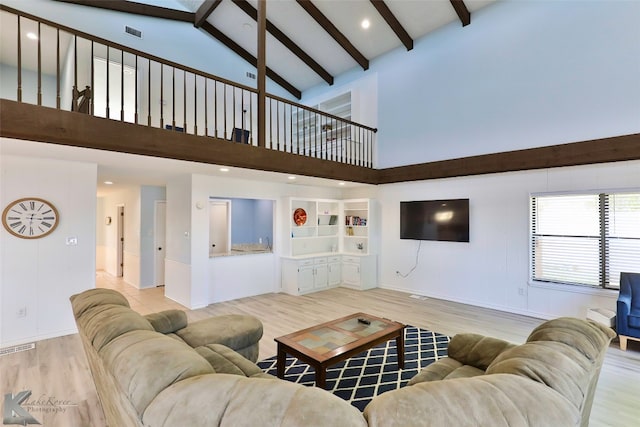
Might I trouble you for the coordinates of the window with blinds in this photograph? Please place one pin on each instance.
(585, 239)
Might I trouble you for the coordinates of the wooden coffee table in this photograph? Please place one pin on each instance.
(331, 342)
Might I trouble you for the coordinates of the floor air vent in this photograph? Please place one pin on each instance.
(17, 348)
(133, 31)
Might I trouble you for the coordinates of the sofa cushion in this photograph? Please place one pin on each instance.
(588, 337)
(554, 364)
(226, 361)
(95, 297)
(634, 318)
(446, 368)
(488, 400)
(476, 350)
(103, 323)
(167, 321)
(232, 330)
(232, 400)
(146, 362)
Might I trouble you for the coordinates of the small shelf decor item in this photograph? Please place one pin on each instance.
(299, 216)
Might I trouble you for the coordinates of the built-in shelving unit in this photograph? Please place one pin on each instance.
(329, 244)
(318, 133)
(355, 239)
(318, 232)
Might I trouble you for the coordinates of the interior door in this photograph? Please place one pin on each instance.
(160, 224)
(218, 227)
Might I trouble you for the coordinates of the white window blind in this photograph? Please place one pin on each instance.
(585, 239)
(622, 237)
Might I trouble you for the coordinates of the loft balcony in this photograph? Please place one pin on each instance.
(66, 87)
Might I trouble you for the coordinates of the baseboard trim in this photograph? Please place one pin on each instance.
(528, 313)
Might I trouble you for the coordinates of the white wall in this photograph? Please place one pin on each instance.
(40, 275)
(523, 74)
(490, 270)
(195, 280)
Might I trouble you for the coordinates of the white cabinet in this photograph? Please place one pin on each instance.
(359, 272)
(300, 276)
(297, 276)
(335, 270)
(320, 273)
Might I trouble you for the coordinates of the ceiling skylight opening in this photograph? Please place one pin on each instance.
(365, 23)
(32, 36)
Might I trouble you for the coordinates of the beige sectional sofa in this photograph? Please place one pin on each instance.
(159, 370)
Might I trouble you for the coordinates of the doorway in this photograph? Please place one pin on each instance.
(219, 226)
(160, 229)
(120, 242)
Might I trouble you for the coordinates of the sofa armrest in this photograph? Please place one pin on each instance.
(476, 350)
(167, 321)
(499, 400)
(231, 400)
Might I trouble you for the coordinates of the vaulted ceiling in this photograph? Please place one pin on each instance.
(309, 42)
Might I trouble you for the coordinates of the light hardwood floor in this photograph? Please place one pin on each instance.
(57, 368)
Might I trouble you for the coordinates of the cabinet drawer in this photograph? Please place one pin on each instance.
(333, 259)
(351, 259)
(320, 261)
(305, 262)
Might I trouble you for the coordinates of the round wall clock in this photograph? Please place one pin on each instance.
(30, 218)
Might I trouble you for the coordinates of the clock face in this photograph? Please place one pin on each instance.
(30, 218)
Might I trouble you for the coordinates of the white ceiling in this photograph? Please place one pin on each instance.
(418, 17)
(129, 170)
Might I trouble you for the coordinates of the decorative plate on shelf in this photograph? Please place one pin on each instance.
(299, 216)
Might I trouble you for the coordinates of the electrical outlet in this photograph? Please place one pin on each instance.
(22, 312)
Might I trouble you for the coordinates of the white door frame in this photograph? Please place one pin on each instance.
(159, 246)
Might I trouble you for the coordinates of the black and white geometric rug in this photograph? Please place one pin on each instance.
(372, 372)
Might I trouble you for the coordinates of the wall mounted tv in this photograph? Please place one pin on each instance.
(443, 220)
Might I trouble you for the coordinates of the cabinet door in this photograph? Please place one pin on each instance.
(351, 274)
(321, 276)
(305, 278)
(335, 274)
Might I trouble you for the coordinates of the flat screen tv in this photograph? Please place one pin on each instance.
(443, 220)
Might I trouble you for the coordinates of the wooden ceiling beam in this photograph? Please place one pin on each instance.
(462, 11)
(286, 41)
(333, 31)
(204, 11)
(136, 8)
(393, 23)
(239, 50)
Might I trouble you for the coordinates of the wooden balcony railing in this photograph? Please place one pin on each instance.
(50, 65)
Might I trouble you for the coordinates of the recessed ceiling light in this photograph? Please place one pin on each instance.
(108, 182)
(292, 178)
(341, 183)
(247, 26)
(224, 169)
(365, 24)
(32, 36)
